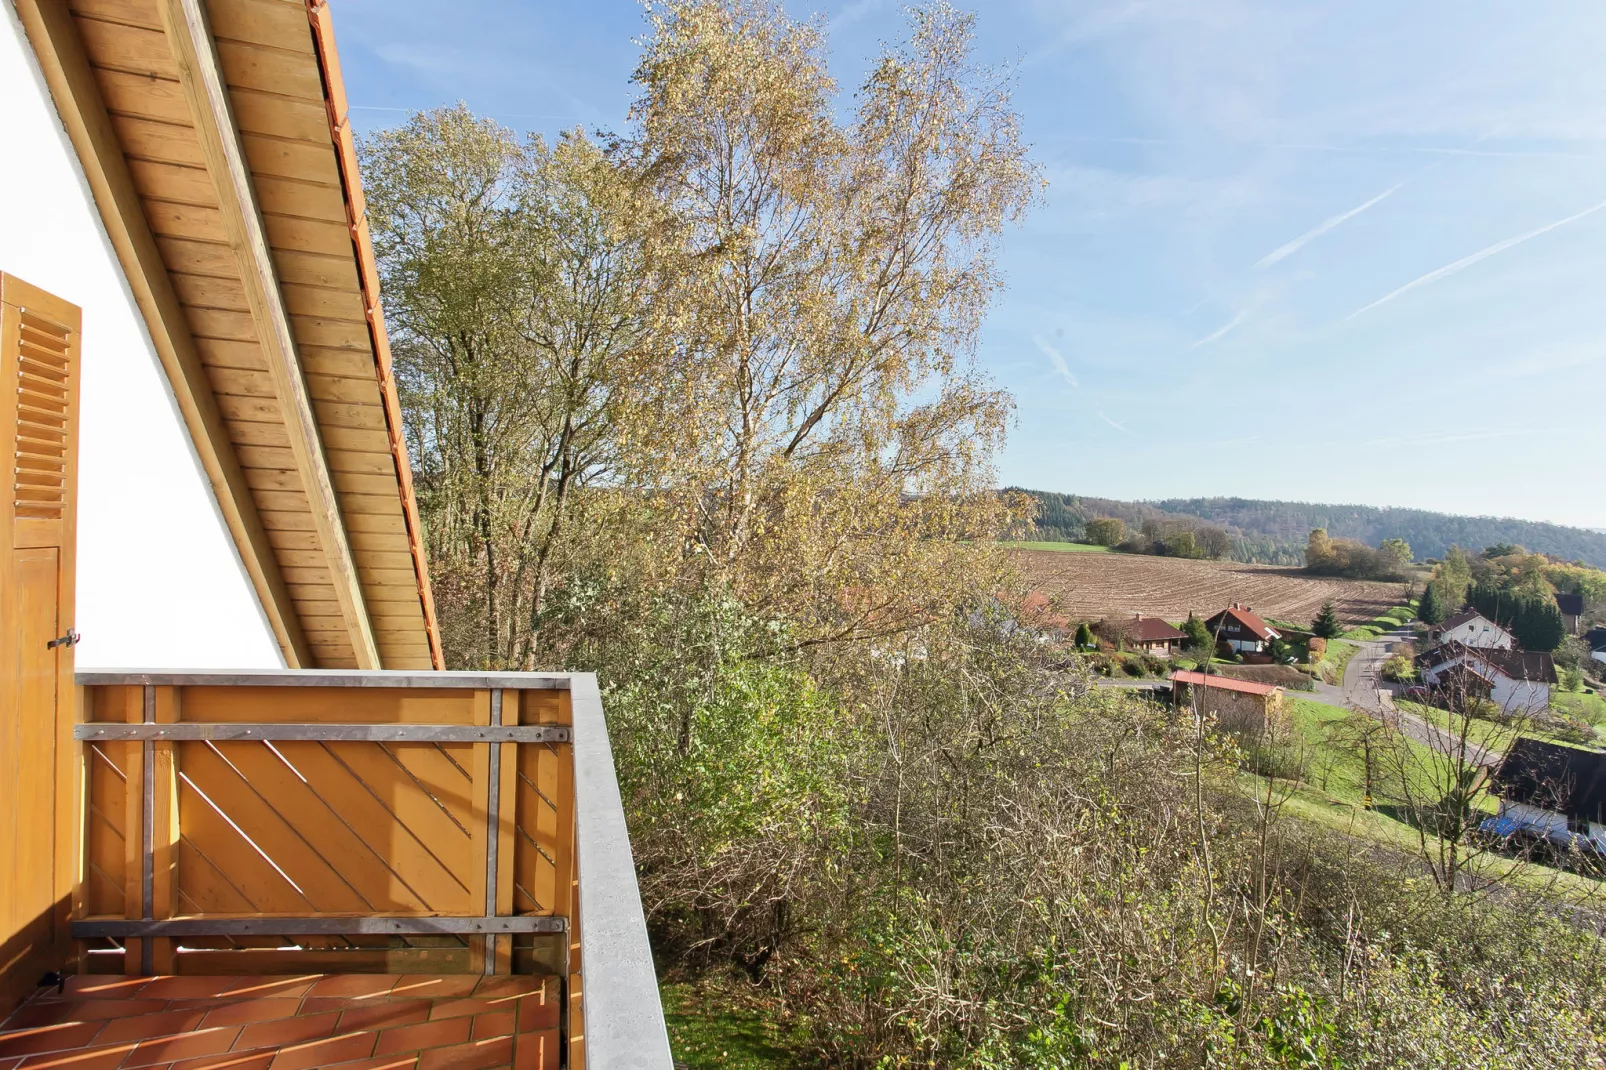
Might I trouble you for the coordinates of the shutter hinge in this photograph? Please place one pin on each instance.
(70, 639)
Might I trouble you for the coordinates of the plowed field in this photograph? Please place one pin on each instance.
(1088, 586)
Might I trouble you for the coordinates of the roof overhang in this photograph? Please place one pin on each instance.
(215, 138)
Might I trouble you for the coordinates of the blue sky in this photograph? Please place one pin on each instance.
(1333, 250)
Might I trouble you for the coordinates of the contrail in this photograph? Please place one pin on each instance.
(1481, 254)
(1119, 427)
(1216, 334)
(1057, 360)
(1322, 228)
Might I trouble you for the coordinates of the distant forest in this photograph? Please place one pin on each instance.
(1274, 533)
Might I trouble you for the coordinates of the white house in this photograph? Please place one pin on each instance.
(1551, 792)
(1471, 628)
(1514, 680)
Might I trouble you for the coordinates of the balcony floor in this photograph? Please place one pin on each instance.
(344, 1021)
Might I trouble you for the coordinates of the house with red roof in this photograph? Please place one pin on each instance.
(1237, 705)
(1240, 630)
(1148, 635)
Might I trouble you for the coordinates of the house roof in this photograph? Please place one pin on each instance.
(1525, 665)
(1567, 780)
(1224, 683)
(1246, 619)
(1141, 629)
(219, 152)
(1570, 604)
(1596, 638)
(1466, 616)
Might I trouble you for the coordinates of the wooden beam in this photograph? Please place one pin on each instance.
(201, 76)
(60, 52)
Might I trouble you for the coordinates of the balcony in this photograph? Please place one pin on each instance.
(352, 841)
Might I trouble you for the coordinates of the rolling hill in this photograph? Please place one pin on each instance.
(1274, 532)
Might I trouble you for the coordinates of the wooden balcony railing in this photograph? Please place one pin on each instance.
(378, 822)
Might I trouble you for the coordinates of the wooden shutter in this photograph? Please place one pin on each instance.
(39, 371)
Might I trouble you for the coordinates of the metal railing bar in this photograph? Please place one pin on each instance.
(384, 678)
(320, 925)
(359, 733)
(147, 832)
(492, 839)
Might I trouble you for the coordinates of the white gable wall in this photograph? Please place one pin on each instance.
(160, 584)
(1480, 633)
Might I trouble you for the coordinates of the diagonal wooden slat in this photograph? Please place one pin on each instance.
(233, 854)
(371, 818)
(420, 817)
(210, 766)
(440, 776)
(324, 828)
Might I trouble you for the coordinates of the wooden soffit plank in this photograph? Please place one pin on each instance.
(60, 51)
(200, 75)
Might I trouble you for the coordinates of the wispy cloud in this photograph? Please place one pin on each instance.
(857, 11)
(1057, 360)
(1119, 427)
(1220, 332)
(1283, 251)
(1482, 254)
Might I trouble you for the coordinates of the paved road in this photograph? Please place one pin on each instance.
(1365, 689)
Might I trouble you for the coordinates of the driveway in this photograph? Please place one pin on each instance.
(1365, 689)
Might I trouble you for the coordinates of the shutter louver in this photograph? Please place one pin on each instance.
(39, 471)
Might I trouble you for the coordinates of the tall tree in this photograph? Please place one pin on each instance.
(1326, 624)
(520, 303)
(832, 281)
(1429, 610)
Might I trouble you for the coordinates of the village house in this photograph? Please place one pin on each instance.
(1514, 680)
(1238, 629)
(231, 748)
(1471, 628)
(1148, 635)
(1551, 792)
(1595, 639)
(1237, 705)
(1572, 611)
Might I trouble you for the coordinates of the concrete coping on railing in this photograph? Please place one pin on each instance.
(624, 1016)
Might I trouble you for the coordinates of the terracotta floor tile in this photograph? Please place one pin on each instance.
(99, 1058)
(535, 1014)
(384, 1062)
(58, 1037)
(327, 1052)
(105, 985)
(229, 1060)
(497, 1024)
(183, 1046)
(392, 1012)
(286, 1031)
(145, 1026)
(454, 1008)
(263, 987)
(244, 1011)
(355, 984)
(536, 1051)
(33, 1015)
(187, 987)
(428, 987)
(498, 987)
(427, 1035)
(476, 1056)
(86, 1010)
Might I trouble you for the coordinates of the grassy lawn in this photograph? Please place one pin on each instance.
(1331, 796)
(726, 1024)
(1331, 667)
(1060, 547)
(1583, 705)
